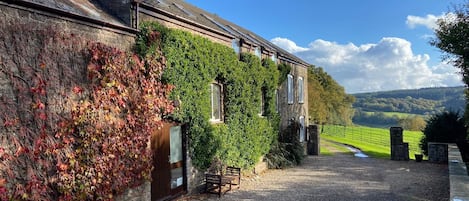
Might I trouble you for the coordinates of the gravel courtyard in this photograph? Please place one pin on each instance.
(344, 177)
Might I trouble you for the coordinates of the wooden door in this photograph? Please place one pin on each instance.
(168, 175)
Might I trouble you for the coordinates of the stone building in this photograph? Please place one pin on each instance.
(115, 23)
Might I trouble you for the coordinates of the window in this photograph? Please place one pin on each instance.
(277, 107)
(302, 128)
(273, 57)
(262, 104)
(235, 45)
(257, 52)
(216, 101)
(300, 90)
(290, 89)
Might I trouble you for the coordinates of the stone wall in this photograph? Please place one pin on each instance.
(458, 175)
(140, 193)
(437, 152)
(38, 45)
(294, 111)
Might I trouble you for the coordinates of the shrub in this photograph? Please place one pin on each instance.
(288, 151)
(446, 127)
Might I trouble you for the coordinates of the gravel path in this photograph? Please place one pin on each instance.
(344, 177)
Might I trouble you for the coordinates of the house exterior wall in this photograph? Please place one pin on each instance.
(13, 15)
(287, 111)
(294, 111)
(22, 34)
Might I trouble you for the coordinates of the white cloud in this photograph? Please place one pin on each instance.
(287, 45)
(387, 65)
(429, 21)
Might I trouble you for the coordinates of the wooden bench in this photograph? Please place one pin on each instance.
(234, 173)
(215, 183)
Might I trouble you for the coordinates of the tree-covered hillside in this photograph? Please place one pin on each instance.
(416, 101)
(328, 102)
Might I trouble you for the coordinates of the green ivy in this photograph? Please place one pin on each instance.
(194, 63)
(284, 71)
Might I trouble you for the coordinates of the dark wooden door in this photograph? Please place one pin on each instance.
(168, 178)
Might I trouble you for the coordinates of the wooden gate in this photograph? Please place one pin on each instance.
(168, 175)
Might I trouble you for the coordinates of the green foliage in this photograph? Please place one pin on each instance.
(446, 127)
(413, 123)
(388, 119)
(194, 63)
(288, 151)
(375, 119)
(415, 101)
(451, 35)
(328, 102)
(284, 71)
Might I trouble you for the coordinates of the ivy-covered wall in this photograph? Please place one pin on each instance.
(193, 64)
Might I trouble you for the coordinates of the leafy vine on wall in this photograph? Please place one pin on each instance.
(72, 131)
(193, 63)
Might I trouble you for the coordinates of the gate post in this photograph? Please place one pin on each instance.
(313, 140)
(399, 149)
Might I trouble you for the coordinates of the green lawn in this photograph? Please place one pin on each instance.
(372, 141)
(325, 145)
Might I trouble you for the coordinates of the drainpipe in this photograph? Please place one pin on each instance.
(134, 10)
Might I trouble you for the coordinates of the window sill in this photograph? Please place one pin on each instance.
(216, 121)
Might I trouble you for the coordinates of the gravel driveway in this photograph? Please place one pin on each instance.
(344, 177)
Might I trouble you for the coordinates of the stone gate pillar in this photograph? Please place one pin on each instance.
(399, 149)
(313, 140)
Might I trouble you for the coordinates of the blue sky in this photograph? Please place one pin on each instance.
(365, 45)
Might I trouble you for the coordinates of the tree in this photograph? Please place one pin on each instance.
(328, 101)
(446, 127)
(413, 123)
(451, 37)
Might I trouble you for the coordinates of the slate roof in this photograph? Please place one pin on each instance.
(86, 8)
(197, 15)
(92, 9)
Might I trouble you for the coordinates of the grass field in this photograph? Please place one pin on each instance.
(326, 145)
(398, 114)
(372, 141)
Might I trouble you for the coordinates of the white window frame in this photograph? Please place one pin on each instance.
(302, 131)
(258, 52)
(262, 103)
(277, 98)
(301, 90)
(290, 94)
(213, 118)
(236, 45)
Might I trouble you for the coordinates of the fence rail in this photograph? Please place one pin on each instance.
(374, 136)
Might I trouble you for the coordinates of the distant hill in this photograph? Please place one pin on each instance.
(415, 101)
